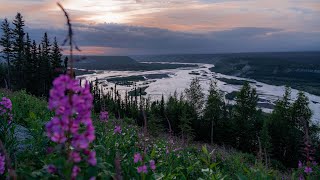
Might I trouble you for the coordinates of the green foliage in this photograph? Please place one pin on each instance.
(28, 110)
(245, 119)
(195, 95)
(213, 113)
(178, 162)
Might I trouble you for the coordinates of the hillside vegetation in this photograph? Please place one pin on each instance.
(116, 151)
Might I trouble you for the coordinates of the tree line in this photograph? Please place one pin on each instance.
(281, 136)
(28, 65)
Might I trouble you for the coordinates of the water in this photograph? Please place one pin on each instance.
(179, 80)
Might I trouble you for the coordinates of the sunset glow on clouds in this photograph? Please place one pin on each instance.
(144, 26)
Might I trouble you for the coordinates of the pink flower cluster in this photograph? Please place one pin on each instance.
(307, 168)
(117, 129)
(143, 169)
(72, 122)
(104, 116)
(6, 108)
(2, 163)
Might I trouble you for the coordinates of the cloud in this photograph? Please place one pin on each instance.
(124, 39)
(176, 26)
(178, 15)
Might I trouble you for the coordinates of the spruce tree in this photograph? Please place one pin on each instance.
(214, 108)
(27, 68)
(265, 142)
(301, 114)
(283, 132)
(40, 84)
(34, 64)
(162, 108)
(185, 124)
(56, 59)
(3, 73)
(6, 43)
(45, 65)
(18, 51)
(195, 95)
(245, 118)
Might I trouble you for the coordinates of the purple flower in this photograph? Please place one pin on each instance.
(308, 170)
(314, 163)
(104, 116)
(142, 169)
(117, 129)
(72, 122)
(75, 172)
(92, 160)
(75, 157)
(6, 108)
(2, 163)
(152, 165)
(51, 169)
(6, 103)
(71, 103)
(300, 164)
(301, 177)
(137, 157)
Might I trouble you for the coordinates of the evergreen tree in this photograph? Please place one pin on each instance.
(40, 81)
(301, 114)
(65, 62)
(34, 64)
(18, 51)
(28, 68)
(195, 95)
(6, 43)
(162, 108)
(2, 75)
(45, 66)
(283, 132)
(171, 112)
(214, 108)
(185, 124)
(265, 142)
(245, 118)
(155, 122)
(56, 59)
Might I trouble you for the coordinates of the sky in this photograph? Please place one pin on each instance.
(131, 27)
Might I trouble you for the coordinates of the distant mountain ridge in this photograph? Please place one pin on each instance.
(120, 63)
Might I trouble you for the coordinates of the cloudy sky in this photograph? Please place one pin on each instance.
(175, 26)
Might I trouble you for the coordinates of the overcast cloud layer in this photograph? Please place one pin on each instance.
(176, 26)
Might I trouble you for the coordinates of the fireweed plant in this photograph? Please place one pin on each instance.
(71, 128)
(6, 125)
(6, 132)
(2, 164)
